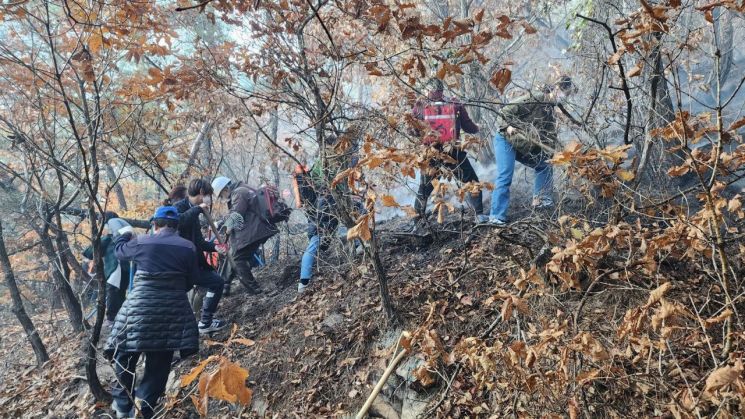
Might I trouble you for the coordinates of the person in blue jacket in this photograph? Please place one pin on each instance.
(156, 319)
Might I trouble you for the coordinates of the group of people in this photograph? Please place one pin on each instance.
(155, 317)
(528, 136)
(152, 316)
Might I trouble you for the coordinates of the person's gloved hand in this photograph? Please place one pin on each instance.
(128, 230)
(234, 222)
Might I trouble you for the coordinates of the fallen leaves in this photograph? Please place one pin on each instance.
(720, 379)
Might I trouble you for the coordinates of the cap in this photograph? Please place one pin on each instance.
(219, 184)
(165, 213)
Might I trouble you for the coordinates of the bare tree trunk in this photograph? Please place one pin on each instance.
(20, 312)
(654, 160)
(94, 383)
(204, 132)
(117, 188)
(385, 295)
(273, 128)
(62, 284)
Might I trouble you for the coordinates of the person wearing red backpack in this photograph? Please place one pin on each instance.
(446, 117)
(247, 226)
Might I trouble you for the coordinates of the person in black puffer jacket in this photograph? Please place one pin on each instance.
(156, 319)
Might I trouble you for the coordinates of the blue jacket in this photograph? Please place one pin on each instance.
(157, 315)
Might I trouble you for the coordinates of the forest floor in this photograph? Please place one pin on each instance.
(319, 354)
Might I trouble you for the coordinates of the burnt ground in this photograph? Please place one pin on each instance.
(319, 353)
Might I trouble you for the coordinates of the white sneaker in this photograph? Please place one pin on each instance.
(496, 222)
(213, 326)
(481, 219)
(301, 288)
(542, 202)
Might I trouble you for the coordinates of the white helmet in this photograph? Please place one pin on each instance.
(219, 184)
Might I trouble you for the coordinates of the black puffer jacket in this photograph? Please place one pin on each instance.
(155, 317)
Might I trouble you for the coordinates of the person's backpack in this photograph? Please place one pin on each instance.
(441, 118)
(271, 206)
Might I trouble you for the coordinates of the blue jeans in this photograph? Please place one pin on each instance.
(505, 158)
(309, 259)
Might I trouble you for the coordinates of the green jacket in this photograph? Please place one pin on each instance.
(109, 258)
(533, 117)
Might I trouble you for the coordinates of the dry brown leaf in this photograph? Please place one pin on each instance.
(194, 373)
(737, 124)
(658, 293)
(243, 341)
(636, 71)
(722, 377)
(501, 78)
(389, 201)
(234, 383)
(720, 318)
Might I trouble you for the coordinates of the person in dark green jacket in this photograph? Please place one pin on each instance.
(529, 137)
(115, 296)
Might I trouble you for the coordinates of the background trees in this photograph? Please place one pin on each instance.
(108, 105)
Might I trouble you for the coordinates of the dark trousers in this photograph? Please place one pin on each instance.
(152, 386)
(213, 283)
(462, 170)
(114, 299)
(115, 296)
(242, 260)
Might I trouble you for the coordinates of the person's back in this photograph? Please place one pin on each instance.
(533, 118)
(156, 319)
(445, 117)
(247, 229)
(243, 201)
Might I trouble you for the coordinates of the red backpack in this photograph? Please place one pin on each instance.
(271, 205)
(441, 118)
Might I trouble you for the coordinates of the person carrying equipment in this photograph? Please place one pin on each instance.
(529, 136)
(446, 117)
(250, 223)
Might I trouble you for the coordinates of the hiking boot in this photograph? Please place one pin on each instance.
(496, 222)
(213, 326)
(123, 414)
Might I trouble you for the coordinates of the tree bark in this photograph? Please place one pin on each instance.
(20, 312)
(94, 383)
(62, 284)
(204, 132)
(273, 128)
(116, 187)
(380, 273)
(654, 160)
